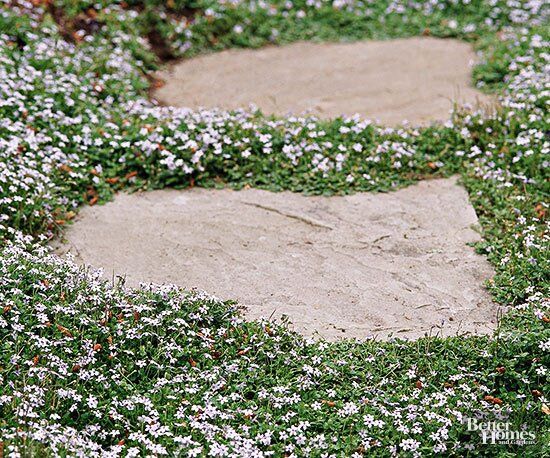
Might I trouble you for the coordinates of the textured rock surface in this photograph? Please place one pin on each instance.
(415, 79)
(345, 266)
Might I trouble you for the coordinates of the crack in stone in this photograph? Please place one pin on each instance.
(290, 215)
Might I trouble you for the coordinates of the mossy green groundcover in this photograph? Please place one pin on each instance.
(90, 368)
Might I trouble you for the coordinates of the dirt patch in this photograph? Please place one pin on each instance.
(354, 266)
(416, 79)
(159, 46)
(73, 29)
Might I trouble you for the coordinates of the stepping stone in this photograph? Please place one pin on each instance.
(416, 79)
(357, 266)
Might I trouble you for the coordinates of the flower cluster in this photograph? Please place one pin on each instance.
(160, 371)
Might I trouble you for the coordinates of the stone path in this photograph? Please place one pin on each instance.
(346, 266)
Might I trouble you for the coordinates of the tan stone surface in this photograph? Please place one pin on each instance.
(415, 79)
(344, 266)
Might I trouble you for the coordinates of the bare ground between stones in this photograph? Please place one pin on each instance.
(346, 266)
(414, 79)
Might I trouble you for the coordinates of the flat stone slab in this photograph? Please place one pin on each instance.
(344, 266)
(416, 79)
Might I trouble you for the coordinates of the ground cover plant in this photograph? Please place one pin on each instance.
(91, 368)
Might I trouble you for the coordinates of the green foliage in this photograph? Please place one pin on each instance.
(75, 129)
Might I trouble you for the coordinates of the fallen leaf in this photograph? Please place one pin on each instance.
(157, 84)
(541, 211)
(64, 330)
(65, 168)
(77, 37)
(545, 409)
(493, 400)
